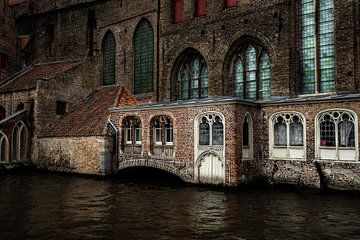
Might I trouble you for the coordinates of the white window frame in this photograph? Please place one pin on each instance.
(287, 152)
(138, 141)
(128, 135)
(336, 153)
(171, 129)
(156, 140)
(248, 151)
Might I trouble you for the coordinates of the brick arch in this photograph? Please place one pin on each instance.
(235, 45)
(169, 167)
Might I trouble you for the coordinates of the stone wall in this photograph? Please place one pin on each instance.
(10, 101)
(85, 155)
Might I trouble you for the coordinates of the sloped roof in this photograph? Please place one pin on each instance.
(27, 80)
(90, 116)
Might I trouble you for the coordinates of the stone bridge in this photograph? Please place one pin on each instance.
(179, 169)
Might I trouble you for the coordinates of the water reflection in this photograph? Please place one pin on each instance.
(41, 206)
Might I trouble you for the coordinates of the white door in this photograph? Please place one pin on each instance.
(211, 170)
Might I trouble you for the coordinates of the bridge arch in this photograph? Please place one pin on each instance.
(176, 169)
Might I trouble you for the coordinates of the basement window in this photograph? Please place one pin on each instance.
(61, 108)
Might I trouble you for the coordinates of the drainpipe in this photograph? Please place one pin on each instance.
(112, 125)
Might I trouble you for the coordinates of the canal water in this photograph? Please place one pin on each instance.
(48, 206)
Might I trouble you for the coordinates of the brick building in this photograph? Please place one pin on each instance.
(219, 92)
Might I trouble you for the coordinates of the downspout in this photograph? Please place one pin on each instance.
(112, 125)
(158, 52)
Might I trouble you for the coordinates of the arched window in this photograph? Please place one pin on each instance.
(337, 135)
(317, 45)
(162, 136)
(2, 113)
(132, 135)
(19, 143)
(251, 72)
(247, 138)
(4, 148)
(108, 58)
(143, 41)
(211, 130)
(287, 136)
(193, 74)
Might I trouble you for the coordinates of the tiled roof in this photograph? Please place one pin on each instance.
(90, 116)
(15, 2)
(27, 80)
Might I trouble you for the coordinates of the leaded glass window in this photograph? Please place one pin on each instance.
(251, 73)
(204, 132)
(317, 45)
(239, 78)
(296, 132)
(217, 132)
(194, 78)
(108, 56)
(143, 57)
(337, 129)
(264, 76)
(162, 143)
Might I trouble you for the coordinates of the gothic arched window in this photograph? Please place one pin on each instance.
(108, 59)
(211, 130)
(19, 143)
(251, 72)
(247, 137)
(143, 57)
(194, 77)
(4, 148)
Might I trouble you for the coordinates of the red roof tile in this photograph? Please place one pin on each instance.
(90, 116)
(27, 80)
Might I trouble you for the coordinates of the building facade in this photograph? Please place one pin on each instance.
(215, 92)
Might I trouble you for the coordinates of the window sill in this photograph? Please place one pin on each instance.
(339, 148)
(337, 161)
(287, 159)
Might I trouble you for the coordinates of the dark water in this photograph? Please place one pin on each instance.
(44, 206)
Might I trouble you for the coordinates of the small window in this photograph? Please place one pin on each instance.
(178, 8)
(200, 8)
(247, 138)
(128, 135)
(230, 3)
(2, 113)
(162, 136)
(157, 135)
(61, 108)
(217, 132)
(91, 28)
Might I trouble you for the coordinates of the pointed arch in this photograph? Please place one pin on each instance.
(247, 137)
(143, 45)
(108, 58)
(190, 76)
(4, 148)
(19, 143)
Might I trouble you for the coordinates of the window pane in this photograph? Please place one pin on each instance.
(250, 73)
(327, 132)
(264, 77)
(280, 135)
(184, 84)
(158, 135)
(143, 57)
(169, 133)
(217, 132)
(108, 52)
(307, 28)
(296, 133)
(204, 132)
(204, 82)
(238, 78)
(346, 133)
(138, 134)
